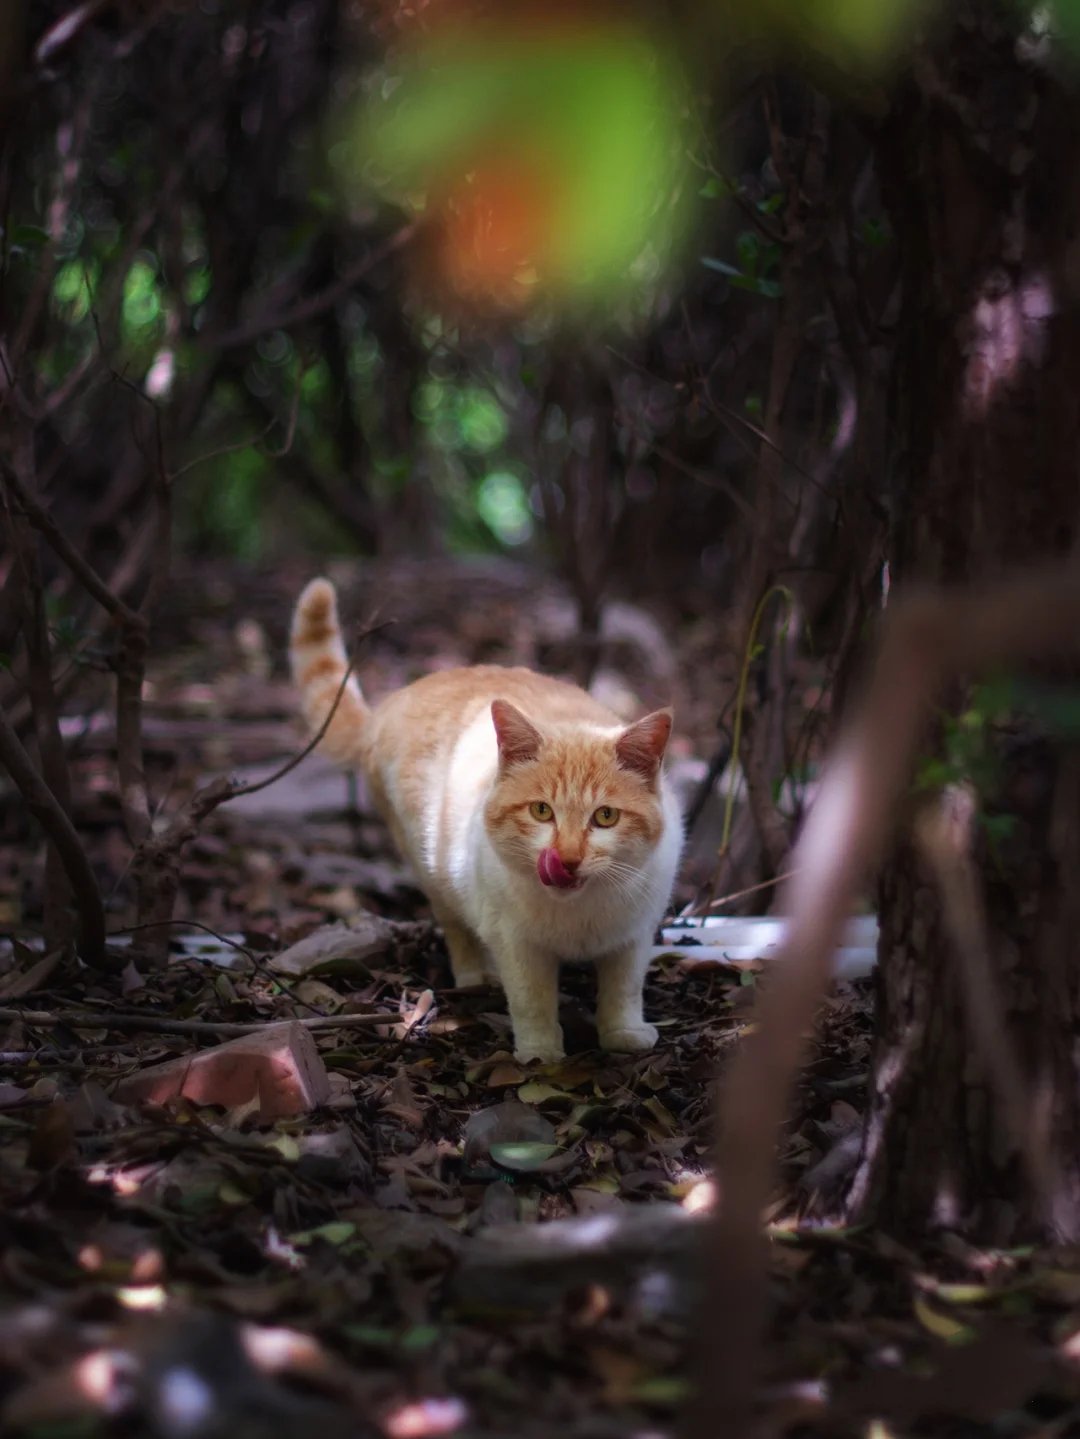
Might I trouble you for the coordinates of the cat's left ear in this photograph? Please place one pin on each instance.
(641, 747)
(519, 740)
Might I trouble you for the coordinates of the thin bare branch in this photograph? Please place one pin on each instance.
(46, 809)
(944, 834)
(927, 638)
(253, 441)
(692, 910)
(315, 304)
(157, 860)
(257, 785)
(44, 523)
(702, 477)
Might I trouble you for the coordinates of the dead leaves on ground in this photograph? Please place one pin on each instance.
(463, 1238)
(447, 1242)
(141, 1205)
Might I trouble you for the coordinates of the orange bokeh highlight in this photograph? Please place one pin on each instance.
(497, 228)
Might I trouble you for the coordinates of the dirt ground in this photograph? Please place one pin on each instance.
(448, 1243)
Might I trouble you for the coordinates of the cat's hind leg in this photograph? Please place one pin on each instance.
(620, 980)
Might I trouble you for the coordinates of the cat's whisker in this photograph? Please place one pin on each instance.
(623, 884)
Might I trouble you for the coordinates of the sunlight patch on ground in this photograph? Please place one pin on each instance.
(423, 1417)
(143, 1297)
(124, 1184)
(700, 1198)
(103, 1377)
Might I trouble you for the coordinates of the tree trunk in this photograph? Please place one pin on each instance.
(979, 162)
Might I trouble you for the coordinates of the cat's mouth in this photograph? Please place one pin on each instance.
(554, 873)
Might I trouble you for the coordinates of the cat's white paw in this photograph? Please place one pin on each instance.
(631, 1039)
(547, 1050)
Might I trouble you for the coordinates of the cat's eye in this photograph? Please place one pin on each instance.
(541, 810)
(606, 816)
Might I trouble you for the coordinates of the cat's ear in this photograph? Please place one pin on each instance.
(641, 747)
(518, 739)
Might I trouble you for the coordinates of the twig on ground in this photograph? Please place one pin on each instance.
(190, 923)
(200, 1028)
(258, 965)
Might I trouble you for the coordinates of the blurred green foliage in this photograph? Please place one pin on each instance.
(595, 111)
(572, 125)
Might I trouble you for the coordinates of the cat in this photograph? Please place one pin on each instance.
(540, 827)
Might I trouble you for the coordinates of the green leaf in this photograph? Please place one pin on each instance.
(506, 1126)
(714, 188)
(420, 1337)
(934, 774)
(29, 237)
(748, 249)
(969, 1293)
(337, 1232)
(721, 266)
(81, 1426)
(858, 35)
(667, 1390)
(287, 1146)
(942, 1326)
(522, 1157)
(375, 1336)
(1067, 15)
(998, 827)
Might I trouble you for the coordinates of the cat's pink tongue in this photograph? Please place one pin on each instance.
(552, 870)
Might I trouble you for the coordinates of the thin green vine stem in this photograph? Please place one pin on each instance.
(740, 703)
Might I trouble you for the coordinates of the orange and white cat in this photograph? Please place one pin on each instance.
(540, 827)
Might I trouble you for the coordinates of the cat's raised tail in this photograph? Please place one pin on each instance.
(318, 660)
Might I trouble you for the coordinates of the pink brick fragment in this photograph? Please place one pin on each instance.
(280, 1066)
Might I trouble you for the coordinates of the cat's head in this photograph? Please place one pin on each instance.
(575, 806)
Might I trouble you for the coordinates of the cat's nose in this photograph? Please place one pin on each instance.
(570, 864)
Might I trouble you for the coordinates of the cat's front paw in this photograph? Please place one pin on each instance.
(549, 1049)
(630, 1039)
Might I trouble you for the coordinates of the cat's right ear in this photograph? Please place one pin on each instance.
(641, 747)
(518, 739)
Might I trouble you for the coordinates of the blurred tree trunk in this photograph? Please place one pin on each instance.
(979, 161)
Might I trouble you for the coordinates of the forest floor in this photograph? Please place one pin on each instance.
(446, 1243)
